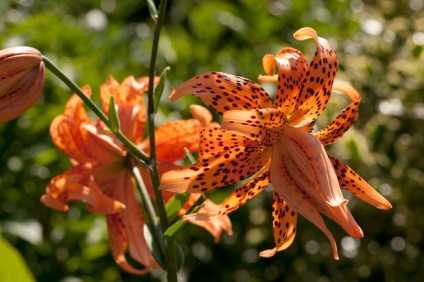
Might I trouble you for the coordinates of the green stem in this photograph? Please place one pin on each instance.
(148, 205)
(132, 148)
(153, 169)
(154, 173)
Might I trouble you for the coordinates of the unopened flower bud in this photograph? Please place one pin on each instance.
(21, 80)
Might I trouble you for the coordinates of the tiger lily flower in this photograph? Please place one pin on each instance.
(263, 142)
(100, 175)
(21, 80)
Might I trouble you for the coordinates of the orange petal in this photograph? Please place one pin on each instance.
(66, 136)
(126, 229)
(202, 114)
(77, 184)
(344, 120)
(214, 140)
(353, 183)
(318, 81)
(292, 67)
(215, 224)
(101, 146)
(307, 155)
(284, 220)
(261, 125)
(287, 189)
(173, 137)
(224, 92)
(75, 107)
(219, 170)
(247, 191)
(128, 97)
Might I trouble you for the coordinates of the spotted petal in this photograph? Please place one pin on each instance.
(284, 220)
(219, 170)
(318, 82)
(344, 120)
(292, 67)
(262, 125)
(214, 140)
(246, 191)
(224, 92)
(353, 183)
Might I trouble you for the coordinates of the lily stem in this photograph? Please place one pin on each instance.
(132, 148)
(148, 206)
(153, 169)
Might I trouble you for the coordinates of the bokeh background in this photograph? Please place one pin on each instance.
(380, 49)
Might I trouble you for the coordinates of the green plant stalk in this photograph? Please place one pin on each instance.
(147, 204)
(132, 148)
(153, 169)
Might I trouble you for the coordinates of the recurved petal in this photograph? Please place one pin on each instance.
(77, 184)
(318, 82)
(219, 170)
(224, 92)
(352, 182)
(261, 125)
(344, 120)
(287, 189)
(215, 225)
(284, 220)
(247, 191)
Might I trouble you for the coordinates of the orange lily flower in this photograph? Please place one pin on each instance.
(100, 176)
(267, 142)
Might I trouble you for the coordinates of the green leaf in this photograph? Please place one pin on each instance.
(113, 116)
(173, 230)
(175, 204)
(12, 265)
(159, 88)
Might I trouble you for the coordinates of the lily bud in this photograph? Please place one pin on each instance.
(21, 80)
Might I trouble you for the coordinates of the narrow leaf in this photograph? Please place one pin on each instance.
(173, 230)
(159, 88)
(113, 116)
(175, 204)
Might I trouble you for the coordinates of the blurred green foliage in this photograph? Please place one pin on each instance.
(380, 49)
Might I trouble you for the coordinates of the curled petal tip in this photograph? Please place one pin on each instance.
(268, 253)
(305, 33)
